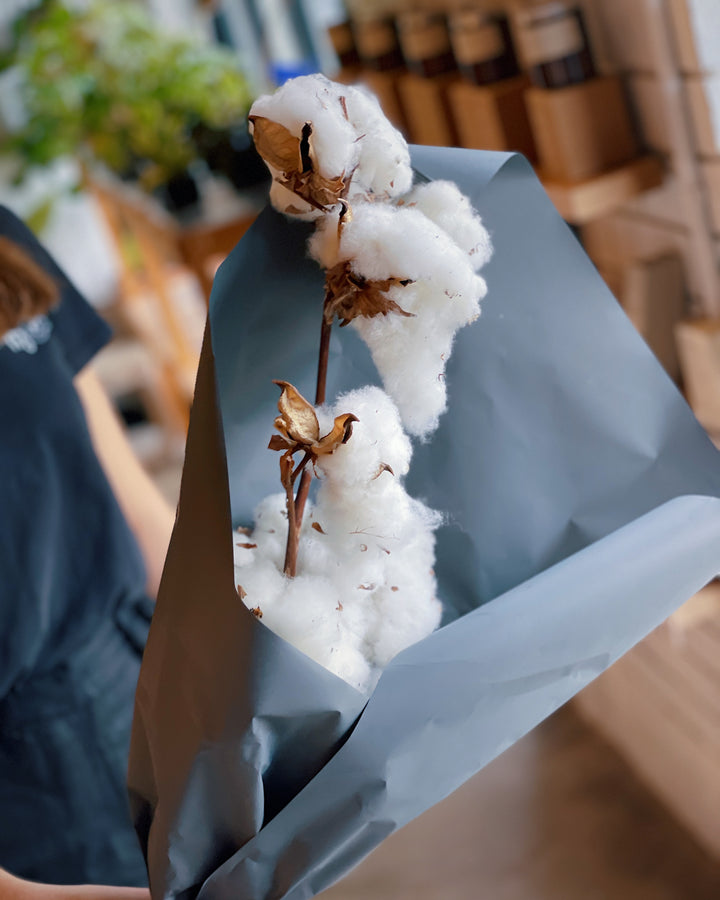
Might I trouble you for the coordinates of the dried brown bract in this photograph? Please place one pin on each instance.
(349, 295)
(299, 427)
(296, 159)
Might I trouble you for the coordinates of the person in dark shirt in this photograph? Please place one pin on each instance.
(83, 534)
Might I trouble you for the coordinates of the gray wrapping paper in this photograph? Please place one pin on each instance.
(581, 502)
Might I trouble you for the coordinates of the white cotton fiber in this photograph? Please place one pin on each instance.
(365, 588)
(381, 241)
(444, 204)
(383, 169)
(315, 99)
(351, 138)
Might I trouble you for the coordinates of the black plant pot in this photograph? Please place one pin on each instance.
(180, 193)
(231, 152)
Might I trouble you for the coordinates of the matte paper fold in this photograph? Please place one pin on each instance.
(581, 505)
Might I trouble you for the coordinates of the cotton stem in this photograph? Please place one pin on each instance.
(295, 517)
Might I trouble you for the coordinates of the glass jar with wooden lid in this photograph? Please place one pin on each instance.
(343, 43)
(553, 43)
(377, 43)
(425, 43)
(482, 45)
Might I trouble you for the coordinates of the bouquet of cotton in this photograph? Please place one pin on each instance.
(358, 585)
(365, 589)
(579, 502)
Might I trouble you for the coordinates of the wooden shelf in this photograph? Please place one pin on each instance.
(580, 202)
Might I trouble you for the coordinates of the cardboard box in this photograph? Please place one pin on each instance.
(694, 25)
(385, 87)
(427, 109)
(620, 240)
(492, 117)
(659, 707)
(711, 174)
(665, 205)
(684, 36)
(648, 103)
(698, 92)
(653, 295)
(698, 343)
(580, 202)
(582, 130)
(618, 31)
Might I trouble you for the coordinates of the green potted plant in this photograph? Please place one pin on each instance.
(105, 84)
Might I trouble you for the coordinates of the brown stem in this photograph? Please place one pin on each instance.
(323, 356)
(298, 511)
(293, 538)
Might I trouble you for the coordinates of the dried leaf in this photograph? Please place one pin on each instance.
(394, 588)
(297, 420)
(277, 146)
(286, 470)
(343, 103)
(339, 607)
(384, 467)
(363, 548)
(257, 612)
(247, 546)
(242, 592)
(339, 434)
(316, 526)
(279, 443)
(366, 587)
(295, 158)
(243, 529)
(300, 430)
(349, 295)
(315, 189)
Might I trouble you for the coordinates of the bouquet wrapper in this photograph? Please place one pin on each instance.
(581, 504)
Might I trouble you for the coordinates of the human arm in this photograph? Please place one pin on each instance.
(148, 514)
(12, 888)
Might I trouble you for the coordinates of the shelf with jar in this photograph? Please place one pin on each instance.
(507, 76)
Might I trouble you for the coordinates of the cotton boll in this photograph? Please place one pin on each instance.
(381, 242)
(377, 439)
(350, 139)
(404, 617)
(351, 665)
(315, 99)
(364, 588)
(444, 204)
(383, 169)
(306, 614)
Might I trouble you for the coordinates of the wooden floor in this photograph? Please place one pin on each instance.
(559, 816)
